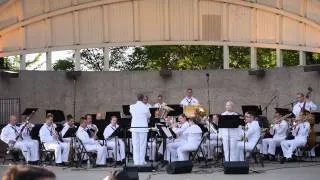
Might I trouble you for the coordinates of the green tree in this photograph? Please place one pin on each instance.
(266, 58)
(290, 58)
(239, 57)
(64, 65)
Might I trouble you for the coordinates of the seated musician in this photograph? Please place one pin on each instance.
(300, 132)
(69, 124)
(215, 138)
(160, 102)
(279, 131)
(250, 135)
(91, 144)
(91, 128)
(189, 100)
(111, 142)
(9, 135)
(178, 129)
(192, 140)
(50, 139)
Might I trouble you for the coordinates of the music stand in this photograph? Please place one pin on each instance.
(256, 110)
(165, 132)
(152, 111)
(58, 115)
(71, 132)
(153, 121)
(229, 122)
(177, 110)
(28, 111)
(126, 110)
(112, 113)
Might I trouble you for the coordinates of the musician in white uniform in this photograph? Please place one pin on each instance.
(171, 153)
(302, 101)
(233, 135)
(189, 99)
(160, 102)
(91, 144)
(193, 138)
(9, 134)
(69, 124)
(111, 142)
(91, 128)
(279, 132)
(249, 136)
(50, 139)
(139, 127)
(300, 133)
(215, 138)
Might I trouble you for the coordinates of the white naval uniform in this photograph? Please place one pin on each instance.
(193, 135)
(233, 136)
(9, 133)
(171, 152)
(252, 133)
(189, 101)
(279, 132)
(215, 141)
(158, 105)
(63, 132)
(139, 128)
(30, 142)
(310, 106)
(301, 133)
(61, 149)
(92, 145)
(111, 143)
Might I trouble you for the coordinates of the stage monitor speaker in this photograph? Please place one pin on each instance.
(73, 74)
(180, 167)
(236, 167)
(132, 172)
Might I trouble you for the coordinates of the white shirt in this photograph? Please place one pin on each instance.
(46, 134)
(179, 131)
(310, 106)
(109, 130)
(279, 131)
(252, 133)
(189, 101)
(233, 132)
(26, 131)
(140, 114)
(193, 133)
(158, 105)
(84, 136)
(148, 105)
(9, 132)
(301, 132)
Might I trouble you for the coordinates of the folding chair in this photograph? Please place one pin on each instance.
(7, 154)
(200, 150)
(82, 152)
(255, 153)
(46, 155)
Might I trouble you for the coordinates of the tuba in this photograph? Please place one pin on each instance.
(164, 110)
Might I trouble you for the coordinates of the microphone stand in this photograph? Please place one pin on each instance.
(268, 104)
(209, 112)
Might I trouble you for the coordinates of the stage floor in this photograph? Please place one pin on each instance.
(287, 171)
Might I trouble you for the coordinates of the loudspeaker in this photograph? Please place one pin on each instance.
(132, 172)
(236, 167)
(179, 167)
(73, 74)
(258, 73)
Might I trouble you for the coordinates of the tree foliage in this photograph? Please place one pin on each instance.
(64, 65)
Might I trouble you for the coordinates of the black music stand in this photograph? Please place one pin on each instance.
(112, 113)
(117, 133)
(126, 110)
(165, 133)
(177, 110)
(58, 115)
(256, 110)
(229, 122)
(29, 111)
(71, 132)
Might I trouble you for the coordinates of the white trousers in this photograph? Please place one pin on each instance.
(102, 153)
(61, 150)
(289, 146)
(166, 155)
(118, 152)
(269, 146)
(234, 154)
(241, 147)
(213, 145)
(184, 150)
(172, 150)
(139, 146)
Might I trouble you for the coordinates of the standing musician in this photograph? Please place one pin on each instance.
(91, 144)
(279, 128)
(192, 140)
(11, 134)
(229, 135)
(139, 127)
(69, 124)
(215, 138)
(249, 135)
(91, 128)
(189, 99)
(160, 102)
(112, 141)
(178, 129)
(50, 139)
(300, 132)
(303, 103)
(146, 101)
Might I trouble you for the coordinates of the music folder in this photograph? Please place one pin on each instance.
(118, 132)
(71, 132)
(165, 131)
(230, 121)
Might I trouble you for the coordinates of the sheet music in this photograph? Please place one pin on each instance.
(166, 132)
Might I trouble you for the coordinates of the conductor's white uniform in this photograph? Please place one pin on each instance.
(120, 150)
(300, 134)
(230, 135)
(92, 145)
(61, 149)
(279, 132)
(139, 128)
(252, 133)
(193, 135)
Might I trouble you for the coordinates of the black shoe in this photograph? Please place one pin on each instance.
(272, 158)
(101, 166)
(282, 159)
(59, 164)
